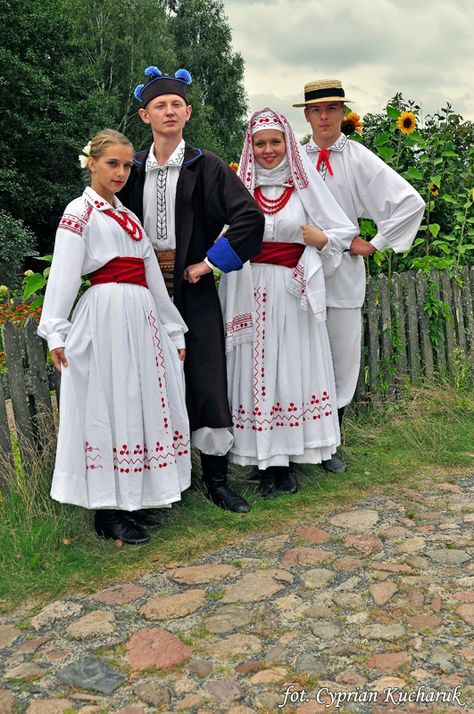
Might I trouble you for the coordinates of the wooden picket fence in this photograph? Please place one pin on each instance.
(396, 345)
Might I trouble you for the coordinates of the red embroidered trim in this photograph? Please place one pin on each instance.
(95, 458)
(270, 206)
(72, 223)
(239, 322)
(129, 226)
(283, 416)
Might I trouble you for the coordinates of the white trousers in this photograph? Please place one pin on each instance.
(217, 441)
(344, 330)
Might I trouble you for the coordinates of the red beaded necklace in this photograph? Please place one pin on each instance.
(273, 205)
(128, 225)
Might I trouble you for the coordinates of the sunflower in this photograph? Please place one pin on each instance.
(234, 165)
(351, 124)
(434, 189)
(406, 122)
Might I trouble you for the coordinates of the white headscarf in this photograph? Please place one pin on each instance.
(306, 281)
(295, 162)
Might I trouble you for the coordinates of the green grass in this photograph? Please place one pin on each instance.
(47, 550)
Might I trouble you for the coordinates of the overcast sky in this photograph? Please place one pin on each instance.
(424, 49)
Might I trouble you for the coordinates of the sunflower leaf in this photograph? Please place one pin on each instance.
(434, 229)
(413, 173)
(392, 112)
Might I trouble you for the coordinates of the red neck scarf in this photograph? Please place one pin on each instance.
(324, 158)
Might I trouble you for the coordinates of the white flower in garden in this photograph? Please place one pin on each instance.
(28, 273)
(3, 292)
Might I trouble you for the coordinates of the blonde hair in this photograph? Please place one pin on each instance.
(105, 138)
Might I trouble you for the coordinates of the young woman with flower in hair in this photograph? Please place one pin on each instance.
(123, 442)
(280, 375)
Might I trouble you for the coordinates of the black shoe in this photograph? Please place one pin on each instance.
(253, 475)
(214, 477)
(335, 464)
(267, 487)
(286, 480)
(144, 519)
(117, 525)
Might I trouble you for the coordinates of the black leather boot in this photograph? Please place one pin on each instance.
(214, 476)
(144, 518)
(267, 487)
(285, 478)
(117, 525)
(335, 464)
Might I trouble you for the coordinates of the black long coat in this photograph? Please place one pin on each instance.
(208, 196)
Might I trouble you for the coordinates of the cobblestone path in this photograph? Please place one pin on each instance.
(371, 609)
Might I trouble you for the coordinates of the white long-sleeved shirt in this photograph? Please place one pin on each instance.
(86, 240)
(366, 187)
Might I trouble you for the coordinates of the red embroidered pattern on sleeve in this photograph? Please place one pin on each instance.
(75, 224)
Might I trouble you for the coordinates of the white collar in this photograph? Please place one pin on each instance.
(176, 158)
(338, 145)
(100, 203)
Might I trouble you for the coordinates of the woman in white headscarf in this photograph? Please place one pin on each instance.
(280, 374)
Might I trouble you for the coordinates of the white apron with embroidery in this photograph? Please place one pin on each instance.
(281, 384)
(124, 436)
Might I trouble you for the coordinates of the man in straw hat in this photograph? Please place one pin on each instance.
(365, 187)
(184, 197)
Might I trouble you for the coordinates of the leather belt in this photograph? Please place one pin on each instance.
(166, 259)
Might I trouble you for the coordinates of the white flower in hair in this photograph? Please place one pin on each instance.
(84, 156)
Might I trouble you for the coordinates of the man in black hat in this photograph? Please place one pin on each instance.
(365, 187)
(184, 197)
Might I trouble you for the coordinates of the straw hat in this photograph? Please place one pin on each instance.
(323, 90)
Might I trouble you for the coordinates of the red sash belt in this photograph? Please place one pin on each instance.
(287, 254)
(120, 270)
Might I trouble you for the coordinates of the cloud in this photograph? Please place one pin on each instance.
(423, 50)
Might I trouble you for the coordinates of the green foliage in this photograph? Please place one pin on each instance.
(204, 46)
(16, 241)
(438, 159)
(69, 69)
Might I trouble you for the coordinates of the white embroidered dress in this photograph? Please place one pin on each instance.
(281, 386)
(124, 435)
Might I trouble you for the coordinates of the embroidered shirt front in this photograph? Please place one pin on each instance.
(159, 198)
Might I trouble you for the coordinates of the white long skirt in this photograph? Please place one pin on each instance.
(281, 388)
(124, 434)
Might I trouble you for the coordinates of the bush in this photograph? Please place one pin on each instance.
(16, 241)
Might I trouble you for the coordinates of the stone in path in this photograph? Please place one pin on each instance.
(466, 613)
(382, 632)
(174, 606)
(227, 619)
(153, 693)
(30, 646)
(27, 672)
(59, 610)
(49, 706)
(304, 556)
(389, 661)
(311, 534)
(7, 702)
(91, 673)
(94, 624)
(382, 592)
(364, 544)
(359, 521)
(199, 574)
(419, 622)
(257, 586)
(348, 564)
(273, 545)
(318, 577)
(8, 635)
(153, 647)
(448, 556)
(236, 645)
(225, 689)
(119, 594)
